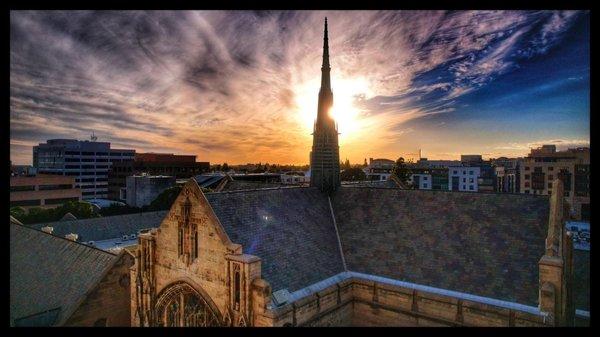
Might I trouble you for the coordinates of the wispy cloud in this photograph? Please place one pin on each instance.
(224, 85)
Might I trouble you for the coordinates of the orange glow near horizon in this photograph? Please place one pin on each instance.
(344, 111)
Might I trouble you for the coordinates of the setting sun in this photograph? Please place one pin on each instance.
(345, 112)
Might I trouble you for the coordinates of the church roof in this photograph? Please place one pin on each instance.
(482, 244)
(50, 275)
(290, 229)
(236, 185)
(104, 228)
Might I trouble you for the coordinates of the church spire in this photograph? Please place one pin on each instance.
(325, 68)
(325, 47)
(325, 155)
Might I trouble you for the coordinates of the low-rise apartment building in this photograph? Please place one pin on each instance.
(463, 178)
(572, 166)
(379, 169)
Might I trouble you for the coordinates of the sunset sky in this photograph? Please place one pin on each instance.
(242, 86)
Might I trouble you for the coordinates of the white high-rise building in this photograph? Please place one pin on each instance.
(88, 161)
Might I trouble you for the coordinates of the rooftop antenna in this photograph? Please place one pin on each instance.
(93, 137)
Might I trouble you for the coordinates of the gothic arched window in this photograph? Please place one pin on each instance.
(181, 305)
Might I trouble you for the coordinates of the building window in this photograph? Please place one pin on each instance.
(471, 180)
(55, 187)
(195, 245)
(464, 172)
(471, 187)
(22, 188)
(550, 177)
(527, 176)
(464, 187)
(424, 185)
(526, 191)
(526, 184)
(549, 185)
(550, 168)
(526, 168)
(455, 172)
(464, 180)
(180, 241)
(424, 178)
(25, 203)
(471, 172)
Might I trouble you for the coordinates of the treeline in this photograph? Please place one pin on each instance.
(259, 168)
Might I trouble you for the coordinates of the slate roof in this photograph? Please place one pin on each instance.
(236, 185)
(208, 181)
(290, 229)
(68, 216)
(49, 275)
(104, 228)
(482, 244)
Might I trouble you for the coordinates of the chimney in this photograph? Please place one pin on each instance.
(48, 229)
(72, 237)
(370, 161)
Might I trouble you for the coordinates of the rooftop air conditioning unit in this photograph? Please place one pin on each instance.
(48, 229)
(124, 237)
(91, 243)
(72, 236)
(132, 236)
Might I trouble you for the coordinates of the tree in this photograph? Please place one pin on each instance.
(18, 213)
(353, 174)
(400, 170)
(80, 209)
(116, 209)
(346, 165)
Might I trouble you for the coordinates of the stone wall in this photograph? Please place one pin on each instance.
(108, 303)
(359, 302)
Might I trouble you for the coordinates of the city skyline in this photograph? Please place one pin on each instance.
(242, 87)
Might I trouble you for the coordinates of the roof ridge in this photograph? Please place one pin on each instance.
(97, 218)
(63, 238)
(261, 189)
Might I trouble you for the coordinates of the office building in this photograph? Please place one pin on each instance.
(45, 191)
(166, 164)
(87, 161)
(143, 189)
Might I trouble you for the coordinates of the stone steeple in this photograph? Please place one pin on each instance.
(324, 157)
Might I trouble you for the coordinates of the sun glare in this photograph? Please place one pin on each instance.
(344, 111)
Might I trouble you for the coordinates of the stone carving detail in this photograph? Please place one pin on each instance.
(187, 233)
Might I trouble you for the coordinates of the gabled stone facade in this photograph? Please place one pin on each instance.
(189, 273)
